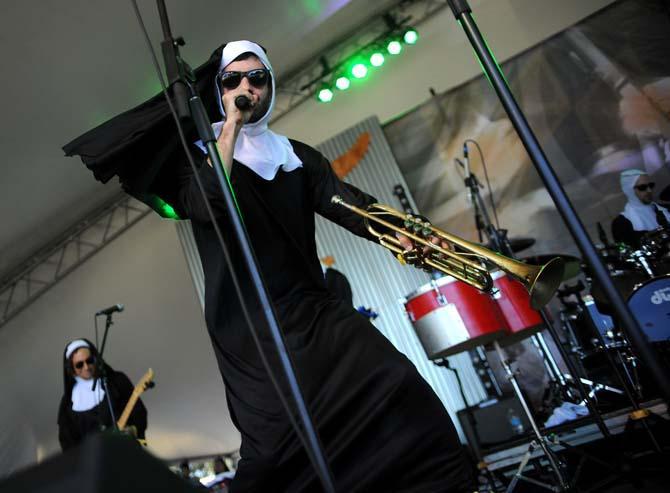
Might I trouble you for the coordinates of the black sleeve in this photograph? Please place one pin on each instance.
(623, 232)
(324, 183)
(68, 435)
(138, 416)
(190, 203)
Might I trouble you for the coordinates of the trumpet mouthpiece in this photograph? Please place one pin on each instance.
(336, 199)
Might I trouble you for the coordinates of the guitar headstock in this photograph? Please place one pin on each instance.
(146, 382)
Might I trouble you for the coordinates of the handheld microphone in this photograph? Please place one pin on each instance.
(243, 103)
(108, 311)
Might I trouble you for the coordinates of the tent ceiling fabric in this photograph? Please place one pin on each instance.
(71, 65)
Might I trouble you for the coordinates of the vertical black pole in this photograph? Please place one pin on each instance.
(463, 15)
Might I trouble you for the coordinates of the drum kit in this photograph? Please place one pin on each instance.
(450, 316)
(596, 341)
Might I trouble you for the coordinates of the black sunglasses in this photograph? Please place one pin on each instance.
(257, 78)
(90, 361)
(642, 188)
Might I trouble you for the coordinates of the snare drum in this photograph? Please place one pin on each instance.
(450, 316)
(514, 303)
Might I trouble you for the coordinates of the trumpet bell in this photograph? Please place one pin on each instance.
(546, 282)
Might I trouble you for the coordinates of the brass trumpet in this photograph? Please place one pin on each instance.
(467, 265)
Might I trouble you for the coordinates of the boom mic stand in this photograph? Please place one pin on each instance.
(189, 106)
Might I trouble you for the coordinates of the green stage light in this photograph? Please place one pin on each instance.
(394, 47)
(325, 94)
(359, 70)
(342, 83)
(377, 59)
(411, 36)
(169, 211)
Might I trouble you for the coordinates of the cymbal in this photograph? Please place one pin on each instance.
(573, 265)
(517, 244)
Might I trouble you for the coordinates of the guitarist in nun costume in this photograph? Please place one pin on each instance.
(83, 410)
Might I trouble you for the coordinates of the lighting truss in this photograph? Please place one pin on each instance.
(297, 87)
(53, 262)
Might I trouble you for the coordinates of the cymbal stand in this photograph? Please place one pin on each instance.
(540, 441)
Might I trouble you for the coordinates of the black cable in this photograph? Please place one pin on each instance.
(219, 235)
(488, 183)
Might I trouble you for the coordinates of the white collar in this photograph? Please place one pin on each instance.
(84, 397)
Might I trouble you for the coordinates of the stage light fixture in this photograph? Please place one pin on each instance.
(325, 94)
(377, 59)
(394, 47)
(359, 70)
(411, 36)
(342, 83)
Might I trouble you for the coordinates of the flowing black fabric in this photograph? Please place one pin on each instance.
(338, 284)
(142, 147)
(382, 426)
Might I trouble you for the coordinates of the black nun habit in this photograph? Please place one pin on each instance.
(382, 426)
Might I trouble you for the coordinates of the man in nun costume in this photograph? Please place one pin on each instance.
(84, 410)
(381, 425)
(640, 214)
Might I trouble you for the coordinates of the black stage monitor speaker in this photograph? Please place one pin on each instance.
(494, 424)
(101, 464)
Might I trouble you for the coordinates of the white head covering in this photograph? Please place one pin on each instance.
(73, 346)
(83, 396)
(257, 147)
(642, 216)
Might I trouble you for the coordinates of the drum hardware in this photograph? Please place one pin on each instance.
(595, 388)
(549, 361)
(540, 441)
(641, 305)
(639, 258)
(484, 371)
(439, 297)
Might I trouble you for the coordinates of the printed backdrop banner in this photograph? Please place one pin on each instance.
(597, 96)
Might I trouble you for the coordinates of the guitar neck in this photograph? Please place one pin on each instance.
(123, 420)
(146, 381)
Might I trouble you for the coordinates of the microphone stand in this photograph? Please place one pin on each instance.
(463, 14)
(500, 242)
(102, 372)
(189, 106)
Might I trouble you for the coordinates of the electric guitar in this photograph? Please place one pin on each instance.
(146, 382)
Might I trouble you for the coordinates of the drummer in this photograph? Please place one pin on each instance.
(640, 214)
